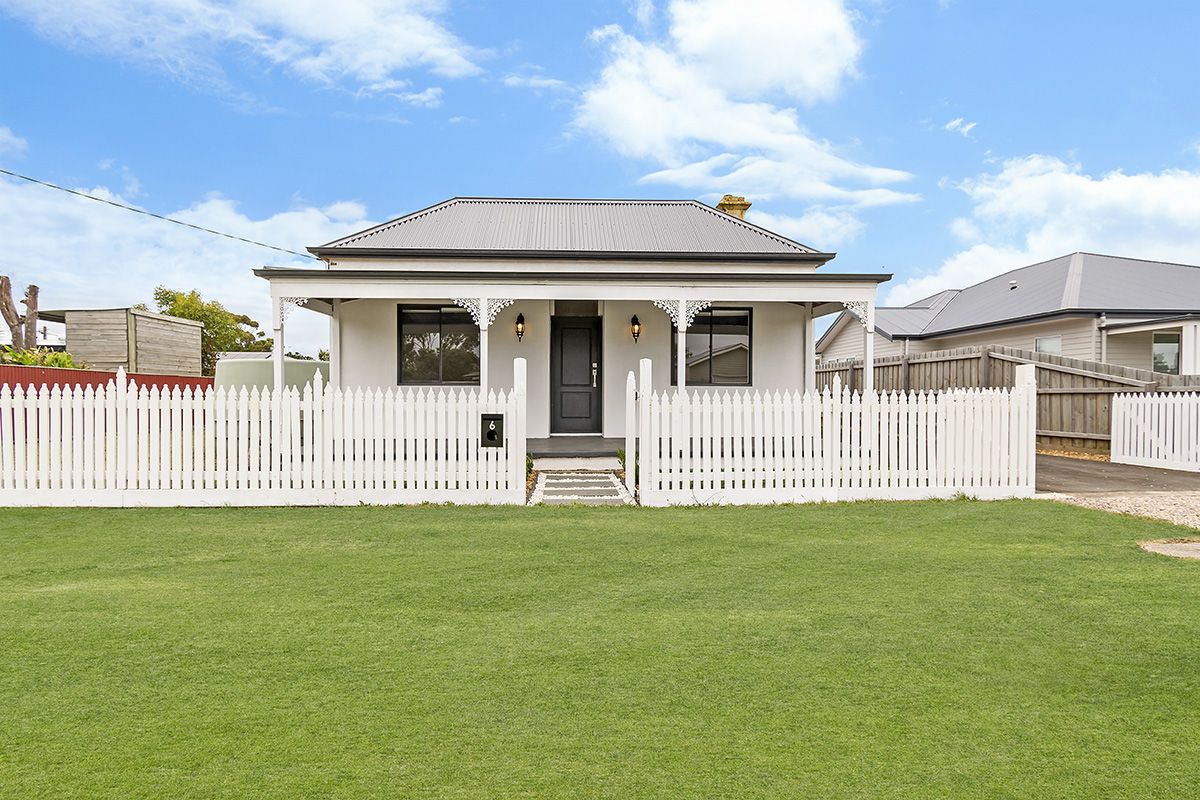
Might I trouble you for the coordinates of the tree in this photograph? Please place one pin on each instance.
(224, 330)
(23, 327)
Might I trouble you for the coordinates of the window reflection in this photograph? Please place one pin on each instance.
(438, 345)
(717, 348)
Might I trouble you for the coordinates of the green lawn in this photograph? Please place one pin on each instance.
(956, 649)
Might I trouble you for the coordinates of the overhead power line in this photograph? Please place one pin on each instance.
(142, 211)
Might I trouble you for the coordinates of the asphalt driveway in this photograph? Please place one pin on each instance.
(1076, 476)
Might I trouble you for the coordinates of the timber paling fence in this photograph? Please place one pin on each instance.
(1157, 430)
(127, 445)
(1075, 397)
(776, 447)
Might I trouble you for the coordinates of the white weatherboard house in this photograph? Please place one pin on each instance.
(581, 289)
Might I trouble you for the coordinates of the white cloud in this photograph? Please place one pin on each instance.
(426, 98)
(366, 41)
(1041, 207)
(84, 254)
(10, 143)
(750, 48)
(702, 104)
(824, 229)
(958, 125)
(534, 82)
(643, 11)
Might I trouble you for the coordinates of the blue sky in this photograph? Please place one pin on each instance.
(942, 141)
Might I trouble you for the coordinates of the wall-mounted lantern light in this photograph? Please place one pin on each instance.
(520, 326)
(635, 327)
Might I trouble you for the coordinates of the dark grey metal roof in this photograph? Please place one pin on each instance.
(1080, 282)
(528, 225)
(915, 317)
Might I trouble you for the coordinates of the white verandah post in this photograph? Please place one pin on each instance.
(483, 345)
(1189, 349)
(868, 382)
(810, 350)
(277, 315)
(335, 344)
(681, 326)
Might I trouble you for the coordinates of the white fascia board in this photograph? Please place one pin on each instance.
(1143, 328)
(581, 289)
(582, 266)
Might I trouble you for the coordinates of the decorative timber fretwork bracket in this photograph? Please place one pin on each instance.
(286, 304)
(690, 309)
(482, 318)
(859, 309)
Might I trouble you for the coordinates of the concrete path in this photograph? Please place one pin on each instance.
(583, 487)
(1176, 549)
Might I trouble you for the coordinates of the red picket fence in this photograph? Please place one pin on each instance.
(17, 375)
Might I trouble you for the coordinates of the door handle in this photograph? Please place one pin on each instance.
(593, 375)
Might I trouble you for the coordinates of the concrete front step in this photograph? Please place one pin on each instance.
(581, 491)
(600, 478)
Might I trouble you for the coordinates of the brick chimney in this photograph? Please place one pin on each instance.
(733, 205)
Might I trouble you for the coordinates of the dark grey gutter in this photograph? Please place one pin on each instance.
(1074, 312)
(1153, 321)
(543, 277)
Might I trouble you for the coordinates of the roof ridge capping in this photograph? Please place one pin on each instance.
(383, 226)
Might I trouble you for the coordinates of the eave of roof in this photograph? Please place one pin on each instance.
(1063, 312)
(1152, 320)
(337, 253)
(635, 277)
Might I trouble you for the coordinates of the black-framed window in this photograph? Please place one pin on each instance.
(438, 344)
(1165, 352)
(717, 348)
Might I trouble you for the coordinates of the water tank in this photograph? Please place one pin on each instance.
(234, 373)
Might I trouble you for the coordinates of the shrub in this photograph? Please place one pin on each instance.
(38, 357)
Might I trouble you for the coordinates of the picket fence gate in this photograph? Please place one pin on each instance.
(129, 445)
(1157, 430)
(700, 447)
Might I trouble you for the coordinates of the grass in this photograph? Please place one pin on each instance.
(953, 649)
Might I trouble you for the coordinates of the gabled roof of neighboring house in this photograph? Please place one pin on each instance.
(499, 225)
(1076, 283)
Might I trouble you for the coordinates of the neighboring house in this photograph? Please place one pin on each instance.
(1122, 311)
(582, 289)
(135, 340)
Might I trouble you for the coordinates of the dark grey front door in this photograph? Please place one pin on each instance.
(575, 375)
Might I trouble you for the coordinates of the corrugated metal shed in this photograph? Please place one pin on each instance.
(610, 226)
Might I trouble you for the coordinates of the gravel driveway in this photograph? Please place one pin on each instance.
(1164, 494)
(1180, 508)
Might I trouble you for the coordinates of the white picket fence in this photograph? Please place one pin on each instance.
(1157, 430)
(779, 447)
(129, 445)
